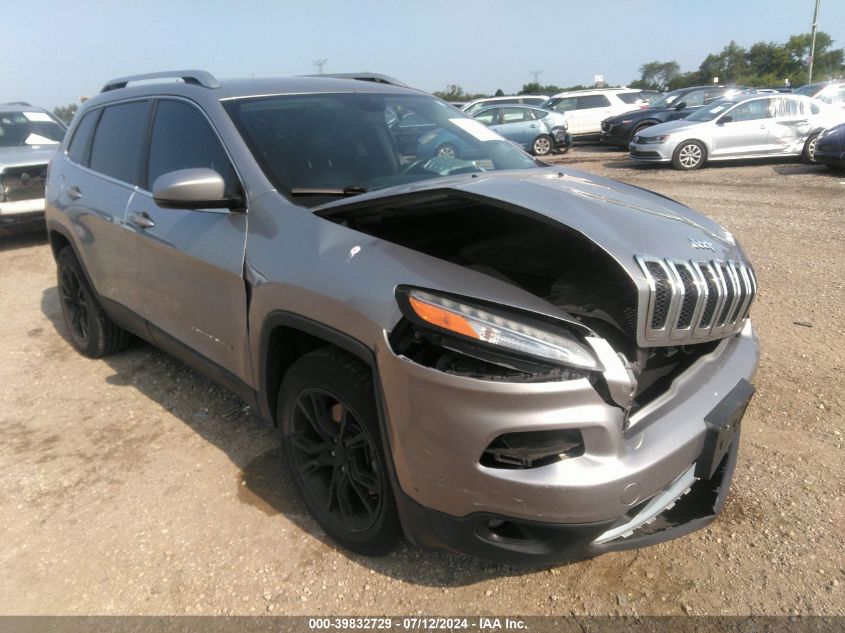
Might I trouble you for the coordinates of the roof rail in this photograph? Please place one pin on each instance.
(364, 76)
(195, 77)
(21, 103)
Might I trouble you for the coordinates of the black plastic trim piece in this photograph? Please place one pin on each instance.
(280, 318)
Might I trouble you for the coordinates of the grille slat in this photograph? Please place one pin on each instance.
(696, 300)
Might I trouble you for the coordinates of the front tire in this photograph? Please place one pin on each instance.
(689, 155)
(329, 422)
(446, 150)
(91, 331)
(809, 152)
(542, 145)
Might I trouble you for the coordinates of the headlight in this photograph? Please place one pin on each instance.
(478, 324)
(654, 139)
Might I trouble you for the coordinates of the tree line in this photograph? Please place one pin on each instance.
(763, 64)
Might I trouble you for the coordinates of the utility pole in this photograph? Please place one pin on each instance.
(319, 63)
(813, 42)
(536, 74)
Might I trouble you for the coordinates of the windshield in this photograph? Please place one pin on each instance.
(19, 129)
(710, 112)
(667, 100)
(808, 90)
(344, 144)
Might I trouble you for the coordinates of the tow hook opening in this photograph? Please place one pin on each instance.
(532, 449)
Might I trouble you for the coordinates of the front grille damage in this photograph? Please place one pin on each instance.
(696, 300)
(22, 182)
(550, 261)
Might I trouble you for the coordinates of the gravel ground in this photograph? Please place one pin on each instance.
(132, 485)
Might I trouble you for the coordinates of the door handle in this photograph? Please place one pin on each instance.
(533, 126)
(141, 220)
(74, 193)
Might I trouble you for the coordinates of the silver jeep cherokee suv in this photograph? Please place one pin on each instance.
(524, 363)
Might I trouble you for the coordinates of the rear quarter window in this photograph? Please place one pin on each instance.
(116, 150)
(80, 145)
(631, 97)
(592, 101)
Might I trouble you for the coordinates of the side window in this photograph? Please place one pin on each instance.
(565, 104)
(488, 117)
(116, 150)
(592, 101)
(694, 98)
(80, 144)
(515, 115)
(712, 95)
(752, 110)
(183, 139)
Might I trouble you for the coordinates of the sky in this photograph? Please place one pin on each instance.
(54, 52)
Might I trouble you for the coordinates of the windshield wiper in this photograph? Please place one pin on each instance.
(350, 190)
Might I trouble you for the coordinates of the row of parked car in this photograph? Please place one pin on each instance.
(686, 127)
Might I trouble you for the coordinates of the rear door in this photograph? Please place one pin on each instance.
(517, 125)
(190, 261)
(592, 110)
(101, 169)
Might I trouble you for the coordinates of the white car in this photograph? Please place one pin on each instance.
(739, 127)
(586, 109)
(474, 106)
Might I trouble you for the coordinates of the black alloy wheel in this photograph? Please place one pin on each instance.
(335, 457)
(75, 304)
(331, 431)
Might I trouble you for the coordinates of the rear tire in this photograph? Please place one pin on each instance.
(689, 155)
(91, 331)
(329, 422)
(542, 145)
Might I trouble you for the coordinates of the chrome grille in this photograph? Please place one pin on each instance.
(697, 300)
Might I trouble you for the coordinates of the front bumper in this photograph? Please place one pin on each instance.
(562, 140)
(829, 154)
(21, 215)
(651, 152)
(615, 134)
(438, 426)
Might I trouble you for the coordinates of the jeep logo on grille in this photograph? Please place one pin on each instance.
(702, 244)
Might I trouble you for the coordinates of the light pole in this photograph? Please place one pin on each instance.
(813, 42)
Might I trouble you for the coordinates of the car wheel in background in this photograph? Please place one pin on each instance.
(689, 155)
(329, 422)
(542, 145)
(91, 331)
(447, 150)
(809, 152)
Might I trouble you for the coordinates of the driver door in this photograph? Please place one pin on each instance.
(190, 261)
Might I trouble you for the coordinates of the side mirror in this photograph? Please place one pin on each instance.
(197, 188)
(681, 105)
(725, 119)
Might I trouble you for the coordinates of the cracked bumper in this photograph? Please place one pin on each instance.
(438, 425)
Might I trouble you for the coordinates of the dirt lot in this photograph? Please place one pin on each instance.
(134, 486)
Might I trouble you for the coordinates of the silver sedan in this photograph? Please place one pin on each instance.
(744, 126)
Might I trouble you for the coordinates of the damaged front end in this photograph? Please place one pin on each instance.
(575, 424)
(597, 297)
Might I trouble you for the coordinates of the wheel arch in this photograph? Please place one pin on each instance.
(286, 337)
